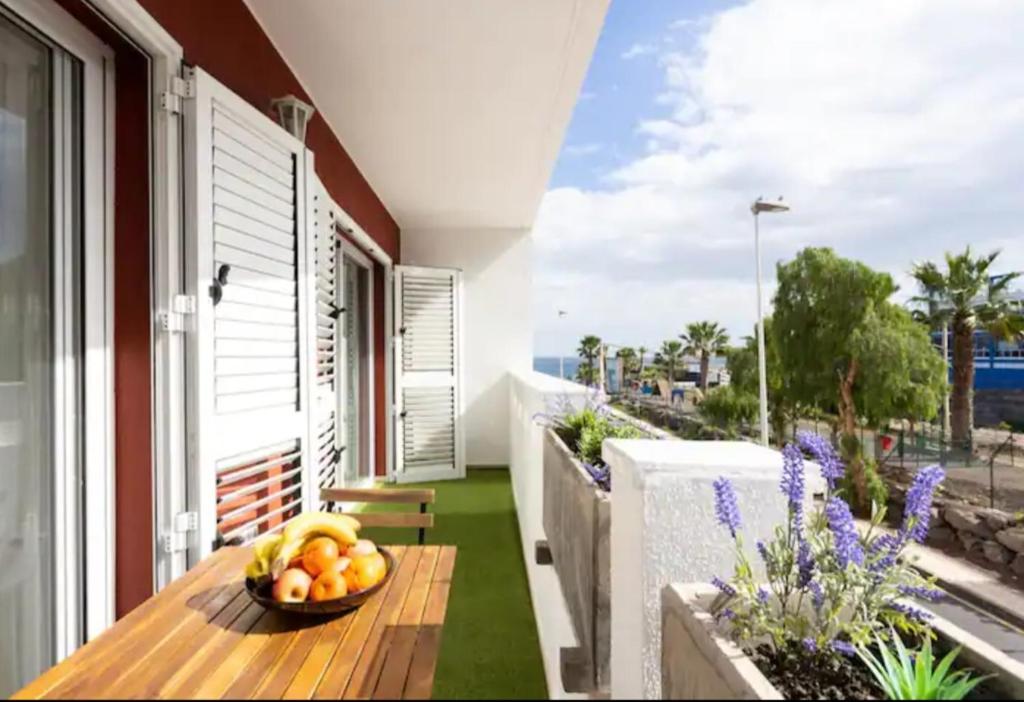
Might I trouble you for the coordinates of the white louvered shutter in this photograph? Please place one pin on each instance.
(429, 442)
(326, 309)
(247, 260)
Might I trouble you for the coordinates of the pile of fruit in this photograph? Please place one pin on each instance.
(317, 557)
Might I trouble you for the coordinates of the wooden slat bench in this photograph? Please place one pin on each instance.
(422, 520)
(203, 638)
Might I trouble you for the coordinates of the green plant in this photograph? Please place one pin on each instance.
(728, 407)
(588, 446)
(878, 492)
(906, 676)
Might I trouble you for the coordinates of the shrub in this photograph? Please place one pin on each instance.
(728, 407)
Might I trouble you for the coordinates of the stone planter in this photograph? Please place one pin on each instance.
(577, 522)
(699, 662)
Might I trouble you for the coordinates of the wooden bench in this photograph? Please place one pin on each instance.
(421, 520)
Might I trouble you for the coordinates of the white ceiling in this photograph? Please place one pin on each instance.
(454, 110)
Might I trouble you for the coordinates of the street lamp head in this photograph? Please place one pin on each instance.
(760, 206)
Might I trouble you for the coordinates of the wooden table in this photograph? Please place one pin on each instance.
(202, 637)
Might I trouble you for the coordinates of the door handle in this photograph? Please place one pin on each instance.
(335, 312)
(217, 289)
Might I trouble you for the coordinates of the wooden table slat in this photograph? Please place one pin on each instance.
(202, 637)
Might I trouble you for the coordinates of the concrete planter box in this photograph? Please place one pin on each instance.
(699, 662)
(577, 522)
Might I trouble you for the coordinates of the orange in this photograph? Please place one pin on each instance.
(369, 570)
(351, 579)
(319, 555)
(329, 585)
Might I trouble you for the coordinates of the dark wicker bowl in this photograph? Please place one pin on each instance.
(260, 592)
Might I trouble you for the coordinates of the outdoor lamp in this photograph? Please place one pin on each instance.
(757, 208)
(294, 115)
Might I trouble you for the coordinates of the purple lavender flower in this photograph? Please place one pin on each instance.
(724, 587)
(929, 594)
(727, 614)
(917, 512)
(762, 595)
(817, 595)
(727, 509)
(847, 541)
(804, 563)
(792, 483)
(824, 453)
(910, 611)
(843, 647)
(602, 475)
(810, 645)
(884, 550)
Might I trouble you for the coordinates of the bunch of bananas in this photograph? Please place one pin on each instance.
(273, 552)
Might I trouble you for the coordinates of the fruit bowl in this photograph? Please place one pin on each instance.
(260, 592)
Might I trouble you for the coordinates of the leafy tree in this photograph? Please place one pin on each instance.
(966, 295)
(669, 358)
(841, 343)
(589, 348)
(704, 340)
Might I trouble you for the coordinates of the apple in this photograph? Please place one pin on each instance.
(292, 586)
(342, 564)
(363, 547)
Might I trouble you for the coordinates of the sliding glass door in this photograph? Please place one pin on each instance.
(355, 351)
(43, 298)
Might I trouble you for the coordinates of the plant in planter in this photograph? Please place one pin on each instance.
(829, 589)
(584, 430)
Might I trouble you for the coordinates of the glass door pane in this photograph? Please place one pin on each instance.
(40, 147)
(355, 344)
(26, 379)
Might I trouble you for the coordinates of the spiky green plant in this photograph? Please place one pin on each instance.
(906, 676)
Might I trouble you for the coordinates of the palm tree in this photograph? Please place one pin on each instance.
(670, 357)
(590, 347)
(628, 356)
(704, 340)
(642, 353)
(966, 295)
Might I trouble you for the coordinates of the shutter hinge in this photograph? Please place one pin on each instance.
(176, 540)
(177, 90)
(174, 321)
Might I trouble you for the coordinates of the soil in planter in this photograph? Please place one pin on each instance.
(799, 676)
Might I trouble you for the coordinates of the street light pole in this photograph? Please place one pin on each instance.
(762, 363)
(757, 208)
(561, 357)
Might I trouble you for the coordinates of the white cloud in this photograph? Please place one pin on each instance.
(582, 149)
(638, 50)
(896, 131)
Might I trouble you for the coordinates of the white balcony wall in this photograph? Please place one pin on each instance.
(530, 394)
(497, 325)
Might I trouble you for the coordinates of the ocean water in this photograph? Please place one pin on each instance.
(549, 365)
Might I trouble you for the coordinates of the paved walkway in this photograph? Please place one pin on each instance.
(979, 601)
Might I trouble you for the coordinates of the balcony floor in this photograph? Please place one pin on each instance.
(490, 648)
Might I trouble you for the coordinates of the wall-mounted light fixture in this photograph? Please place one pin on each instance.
(294, 115)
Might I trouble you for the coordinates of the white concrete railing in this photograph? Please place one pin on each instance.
(532, 394)
(665, 531)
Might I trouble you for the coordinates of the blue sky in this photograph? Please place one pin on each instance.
(623, 84)
(894, 129)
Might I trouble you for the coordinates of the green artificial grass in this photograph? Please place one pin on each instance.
(489, 649)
